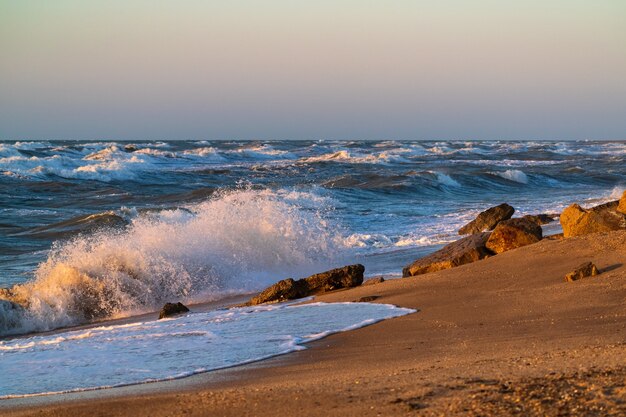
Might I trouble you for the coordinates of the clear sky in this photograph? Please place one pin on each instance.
(323, 69)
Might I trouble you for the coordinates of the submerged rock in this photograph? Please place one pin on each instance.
(463, 251)
(171, 309)
(512, 234)
(488, 219)
(290, 289)
(587, 269)
(577, 221)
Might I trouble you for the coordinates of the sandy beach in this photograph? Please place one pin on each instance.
(502, 336)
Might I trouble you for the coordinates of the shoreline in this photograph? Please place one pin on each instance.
(505, 318)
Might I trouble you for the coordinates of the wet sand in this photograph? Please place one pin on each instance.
(502, 336)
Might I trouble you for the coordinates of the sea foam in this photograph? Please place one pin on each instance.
(117, 355)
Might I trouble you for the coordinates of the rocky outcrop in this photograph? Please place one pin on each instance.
(171, 309)
(488, 219)
(539, 219)
(587, 269)
(461, 252)
(577, 221)
(512, 234)
(621, 206)
(289, 289)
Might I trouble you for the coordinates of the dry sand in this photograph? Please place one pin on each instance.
(502, 336)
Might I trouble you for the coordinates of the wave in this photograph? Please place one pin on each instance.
(79, 224)
(344, 156)
(514, 175)
(236, 241)
(444, 179)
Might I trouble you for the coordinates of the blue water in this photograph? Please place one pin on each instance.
(147, 351)
(110, 229)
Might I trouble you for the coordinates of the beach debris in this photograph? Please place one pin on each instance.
(463, 251)
(587, 269)
(577, 221)
(621, 206)
(488, 219)
(171, 309)
(512, 234)
(289, 289)
(367, 299)
(540, 219)
(373, 281)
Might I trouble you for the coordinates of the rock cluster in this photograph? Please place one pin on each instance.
(508, 233)
(492, 232)
(289, 289)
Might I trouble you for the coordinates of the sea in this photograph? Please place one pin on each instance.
(92, 231)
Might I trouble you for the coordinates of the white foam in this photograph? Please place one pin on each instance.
(118, 355)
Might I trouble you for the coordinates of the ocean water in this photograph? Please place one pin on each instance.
(96, 230)
(140, 352)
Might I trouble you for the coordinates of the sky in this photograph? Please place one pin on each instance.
(324, 69)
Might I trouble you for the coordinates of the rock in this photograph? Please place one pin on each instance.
(373, 281)
(621, 206)
(286, 289)
(587, 269)
(130, 148)
(289, 289)
(557, 236)
(488, 219)
(512, 234)
(171, 309)
(539, 219)
(463, 251)
(577, 221)
(346, 277)
(367, 299)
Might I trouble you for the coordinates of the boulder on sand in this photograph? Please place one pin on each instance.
(587, 269)
(463, 251)
(577, 221)
(513, 233)
(171, 309)
(488, 219)
(289, 289)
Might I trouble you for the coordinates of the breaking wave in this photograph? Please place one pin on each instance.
(236, 241)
